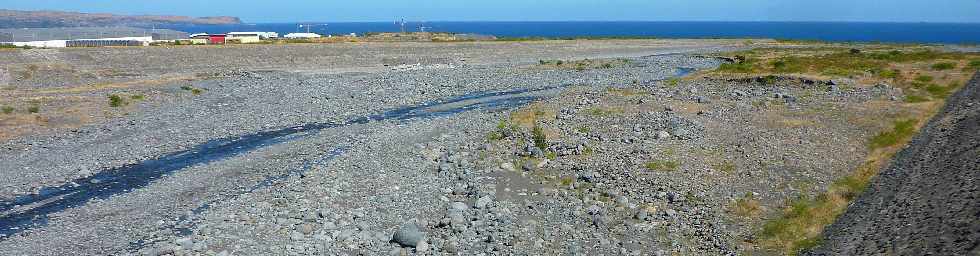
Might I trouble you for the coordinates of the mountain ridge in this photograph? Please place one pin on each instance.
(47, 19)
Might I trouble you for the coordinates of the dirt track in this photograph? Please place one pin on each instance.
(927, 202)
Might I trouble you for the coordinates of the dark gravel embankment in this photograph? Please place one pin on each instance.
(927, 202)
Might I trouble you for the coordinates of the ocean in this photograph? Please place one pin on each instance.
(944, 33)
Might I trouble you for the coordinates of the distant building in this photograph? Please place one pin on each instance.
(261, 35)
(217, 38)
(122, 41)
(119, 41)
(302, 35)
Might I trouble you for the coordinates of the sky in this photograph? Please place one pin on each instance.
(255, 11)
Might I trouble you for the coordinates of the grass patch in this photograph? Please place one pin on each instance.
(747, 206)
(7, 109)
(974, 64)
(662, 165)
(943, 66)
(600, 112)
(197, 91)
(916, 98)
(672, 82)
(902, 129)
(924, 78)
(939, 91)
(583, 129)
(137, 97)
(726, 167)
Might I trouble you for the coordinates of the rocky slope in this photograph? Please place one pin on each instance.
(928, 201)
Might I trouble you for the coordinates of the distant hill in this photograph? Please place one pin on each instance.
(49, 19)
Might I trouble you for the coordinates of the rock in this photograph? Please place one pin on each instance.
(422, 246)
(483, 202)
(508, 167)
(642, 214)
(186, 243)
(458, 206)
(663, 135)
(703, 100)
(529, 166)
(306, 228)
(739, 93)
(408, 235)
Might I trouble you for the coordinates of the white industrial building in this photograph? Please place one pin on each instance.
(118, 41)
(301, 35)
(262, 35)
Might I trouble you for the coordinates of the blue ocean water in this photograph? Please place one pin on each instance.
(949, 33)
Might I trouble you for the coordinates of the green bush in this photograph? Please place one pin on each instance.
(540, 140)
(944, 66)
(116, 101)
(33, 109)
(7, 109)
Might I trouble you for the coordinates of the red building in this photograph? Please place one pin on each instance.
(217, 38)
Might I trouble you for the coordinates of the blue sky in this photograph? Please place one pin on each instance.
(532, 10)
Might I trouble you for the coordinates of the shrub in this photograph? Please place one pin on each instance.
(137, 97)
(33, 109)
(540, 140)
(854, 51)
(943, 66)
(197, 91)
(7, 109)
(116, 101)
(186, 87)
(559, 62)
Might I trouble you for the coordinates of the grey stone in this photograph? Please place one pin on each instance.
(483, 202)
(408, 235)
(458, 206)
(186, 243)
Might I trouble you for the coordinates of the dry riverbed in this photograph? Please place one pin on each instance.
(495, 148)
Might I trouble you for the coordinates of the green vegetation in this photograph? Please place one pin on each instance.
(912, 98)
(662, 165)
(137, 97)
(7, 109)
(116, 101)
(540, 140)
(583, 129)
(974, 64)
(924, 78)
(33, 109)
(726, 167)
(902, 129)
(600, 112)
(943, 66)
(941, 92)
(195, 91)
(889, 73)
(673, 82)
(741, 65)
(10, 46)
